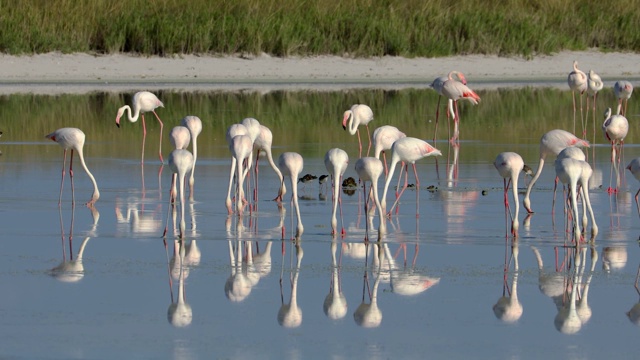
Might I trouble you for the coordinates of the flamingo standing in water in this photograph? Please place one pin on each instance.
(577, 81)
(73, 138)
(573, 172)
(263, 143)
(336, 161)
(509, 166)
(594, 84)
(437, 85)
(180, 138)
(143, 101)
(455, 90)
(551, 143)
(233, 131)
(383, 138)
(359, 114)
(240, 147)
(623, 90)
(615, 129)
(194, 124)
(408, 150)
(291, 164)
(634, 167)
(181, 162)
(370, 169)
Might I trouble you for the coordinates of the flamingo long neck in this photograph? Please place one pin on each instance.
(283, 189)
(195, 157)
(294, 196)
(514, 188)
(182, 223)
(574, 205)
(96, 192)
(233, 169)
(239, 184)
(136, 114)
(336, 197)
(527, 201)
(382, 229)
(353, 124)
(392, 168)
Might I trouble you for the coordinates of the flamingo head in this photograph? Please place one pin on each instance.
(119, 115)
(461, 77)
(345, 118)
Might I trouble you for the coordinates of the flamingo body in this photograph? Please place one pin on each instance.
(73, 139)
(181, 162)
(194, 124)
(359, 114)
(336, 162)
(291, 164)
(370, 169)
(509, 166)
(143, 101)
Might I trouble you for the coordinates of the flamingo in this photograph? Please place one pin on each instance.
(143, 101)
(181, 162)
(508, 308)
(232, 131)
(575, 172)
(263, 143)
(240, 147)
(370, 169)
(291, 164)
(594, 84)
(408, 150)
(336, 161)
(551, 143)
(180, 138)
(615, 129)
(437, 85)
(509, 166)
(634, 167)
(194, 124)
(455, 90)
(577, 81)
(383, 138)
(359, 114)
(623, 90)
(290, 315)
(73, 138)
(583, 183)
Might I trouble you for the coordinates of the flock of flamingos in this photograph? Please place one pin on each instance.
(250, 136)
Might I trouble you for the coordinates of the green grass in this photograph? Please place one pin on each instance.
(358, 28)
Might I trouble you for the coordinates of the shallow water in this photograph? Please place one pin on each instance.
(105, 284)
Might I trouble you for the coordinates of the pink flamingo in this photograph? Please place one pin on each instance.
(383, 138)
(615, 129)
(594, 84)
(143, 101)
(551, 143)
(233, 131)
(573, 172)
(73, 138)
(180, 138)
(263, 143)
(577, 81)
(509, 166)
(370, 169)
(455, 90)
(359, 114)
(623, 90)
(194, 124)
(240, 147)
(181, 162)
(291, 164)
(336, 161)
(437, 85)
(408, 150)
(634, 167)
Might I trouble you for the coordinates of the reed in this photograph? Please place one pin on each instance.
(358, 28)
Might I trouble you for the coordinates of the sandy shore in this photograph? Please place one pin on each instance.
(81, 73)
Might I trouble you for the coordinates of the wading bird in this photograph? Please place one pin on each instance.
(291, 164)
(509, 166)
(623, 90)
(143, 102)
(615, 129)
(551, 143)
(181, 162)
(73, 139)
(370, 169)
(359, 114)
(194, 124)
(577, 81)
(437, 85)
(336, 161)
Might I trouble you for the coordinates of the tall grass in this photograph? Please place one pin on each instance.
(358, 28)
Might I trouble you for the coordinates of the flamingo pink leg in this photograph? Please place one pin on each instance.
(161, 127)
(64, 164)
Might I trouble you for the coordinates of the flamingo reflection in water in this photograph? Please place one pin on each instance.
(508, 308)
(335, 303)
(369, 315)
(179, 313)
(634, 313)
(290, 314)
(70, 269)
